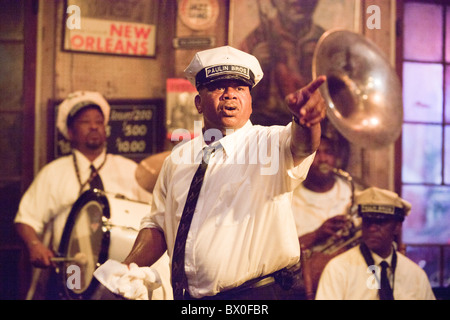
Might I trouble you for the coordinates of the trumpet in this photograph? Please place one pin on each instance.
(350, 234)
(346, 238)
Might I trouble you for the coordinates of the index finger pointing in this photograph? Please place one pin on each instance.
(315, 84)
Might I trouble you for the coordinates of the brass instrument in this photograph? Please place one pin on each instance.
(314, 259)
(364, 103)
(349, 178)
(350, 234)
(363, 92)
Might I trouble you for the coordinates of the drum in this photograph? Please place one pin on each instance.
(100, 226)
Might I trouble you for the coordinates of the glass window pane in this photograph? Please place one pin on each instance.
(422, 92)
(429, 220)
(447, 155)
(428, 258)
(423, 32)
(422, 154)
(447, 266)
(447, 34)
(447, 94)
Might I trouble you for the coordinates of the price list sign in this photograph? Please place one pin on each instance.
(135, 130)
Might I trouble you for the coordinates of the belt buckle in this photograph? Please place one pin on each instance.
(263, 282)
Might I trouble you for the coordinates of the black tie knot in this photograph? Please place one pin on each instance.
(95, 180)
(209, 150)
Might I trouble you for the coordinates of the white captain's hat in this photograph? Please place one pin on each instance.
(77, 101)
(376, 203)
(223, 63)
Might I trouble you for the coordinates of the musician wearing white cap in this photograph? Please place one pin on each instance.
(234, 236)
(45, 206)
(374, 269)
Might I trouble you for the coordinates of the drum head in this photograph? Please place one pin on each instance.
(86, 240)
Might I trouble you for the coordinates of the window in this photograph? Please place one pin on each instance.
(426, 130)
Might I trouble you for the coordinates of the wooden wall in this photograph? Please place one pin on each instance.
(377, 166)
(118, 77)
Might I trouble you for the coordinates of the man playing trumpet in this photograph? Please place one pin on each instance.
(321, 206)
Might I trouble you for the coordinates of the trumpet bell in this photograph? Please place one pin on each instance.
(362, 92)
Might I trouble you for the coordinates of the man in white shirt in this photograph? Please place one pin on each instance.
(322, 202)
(357, 274)
(46, 205)
(242, 232)
(321, 206)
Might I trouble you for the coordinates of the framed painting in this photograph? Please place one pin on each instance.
(283, 35)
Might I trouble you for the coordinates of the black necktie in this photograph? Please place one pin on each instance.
(179, 280)
(96, 181)
(385, 288)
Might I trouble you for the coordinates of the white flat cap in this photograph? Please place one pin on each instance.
(223, 63)
(77, 101)
(380, 203)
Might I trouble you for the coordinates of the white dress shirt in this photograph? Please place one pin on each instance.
(243, 226)
(50, 197)
(47, 203)
(347, 277)
(312, 209)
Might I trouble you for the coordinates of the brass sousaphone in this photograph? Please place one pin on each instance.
(362, 92)
(364, 103)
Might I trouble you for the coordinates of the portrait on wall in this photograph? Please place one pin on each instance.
(283, 35)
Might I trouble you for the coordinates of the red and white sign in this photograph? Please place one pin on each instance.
(112, 37)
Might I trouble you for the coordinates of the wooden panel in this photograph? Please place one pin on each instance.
(219, 31)
(377, 166)
(11, 20)
(116, 77)
(17, 89)
(384, 36)
(11, 75)
(10, 142)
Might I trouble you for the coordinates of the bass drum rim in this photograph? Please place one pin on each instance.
(87, 197)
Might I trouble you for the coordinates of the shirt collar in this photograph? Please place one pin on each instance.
(231, 141)
(377, 259)
(228, 142)
(84, 162)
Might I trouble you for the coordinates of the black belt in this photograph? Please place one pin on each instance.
(283, 278)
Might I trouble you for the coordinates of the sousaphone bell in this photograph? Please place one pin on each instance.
(362, 92)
